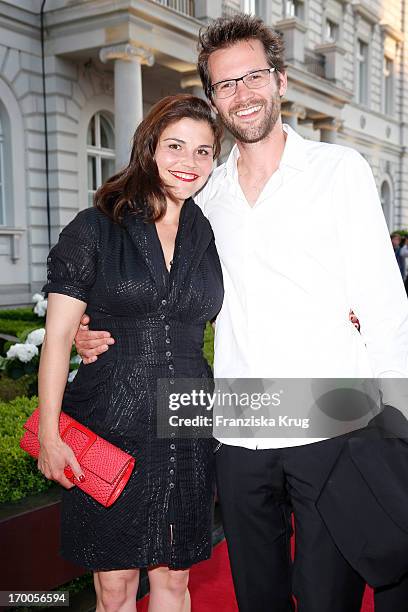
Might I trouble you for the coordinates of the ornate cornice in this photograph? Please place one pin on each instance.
(393, 33)
(364, 10)
(127, 52)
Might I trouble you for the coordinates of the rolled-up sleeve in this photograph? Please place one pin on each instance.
(72, 262)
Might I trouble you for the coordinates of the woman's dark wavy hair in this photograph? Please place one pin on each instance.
(227, 31)
(138, 187)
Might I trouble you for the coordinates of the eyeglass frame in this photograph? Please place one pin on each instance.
(270, 71)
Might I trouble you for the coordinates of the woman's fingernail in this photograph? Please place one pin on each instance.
(81, 478)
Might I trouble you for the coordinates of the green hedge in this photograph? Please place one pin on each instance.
(209, 344)
(15, 327)
(19, 475)
(10, 388)
(23, 314)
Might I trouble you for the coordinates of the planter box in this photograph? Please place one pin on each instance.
(30, 561)
(29, 536)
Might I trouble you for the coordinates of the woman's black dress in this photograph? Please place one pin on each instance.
(157, 319)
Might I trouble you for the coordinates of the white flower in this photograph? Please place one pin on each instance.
(23, 352)
(41, 308)
(76, 359)
(36, 337)
(72, 375)
(37, 297)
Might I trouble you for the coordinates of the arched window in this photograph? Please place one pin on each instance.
(385, 194)
(3, 216)
(13, 205)
(100, 152)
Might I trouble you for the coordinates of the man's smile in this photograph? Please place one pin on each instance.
(249, 112)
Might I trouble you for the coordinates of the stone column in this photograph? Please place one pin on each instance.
(328, 126)
(128, 93)
(193, 83)
(291, 112)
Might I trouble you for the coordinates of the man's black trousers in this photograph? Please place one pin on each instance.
(258, 490)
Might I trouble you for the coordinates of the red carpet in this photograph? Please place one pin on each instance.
(212, 590)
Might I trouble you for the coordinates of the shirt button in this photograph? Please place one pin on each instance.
(168, 340)
(171, 367)
(162, 316)
(164, 302)
(172, 459)
(172, 435)
(167, 327)
(171, 381)
(173, 446)
(171, 485)
(171, 472)
(168, 353)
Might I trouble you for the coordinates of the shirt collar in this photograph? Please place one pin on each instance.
(294, 154)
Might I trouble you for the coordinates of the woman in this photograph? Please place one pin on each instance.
(143, 264)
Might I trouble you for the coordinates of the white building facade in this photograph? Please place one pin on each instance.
(76, 76)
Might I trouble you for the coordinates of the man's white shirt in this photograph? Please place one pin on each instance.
(293, 266)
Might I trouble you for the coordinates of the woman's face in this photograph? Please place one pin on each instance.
(184, 156)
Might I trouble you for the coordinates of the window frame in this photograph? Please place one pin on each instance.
(388, 87)
(98, 152)
(361, 61)
(8, 168)
(336, 25)
(295, 3)
(3, 193)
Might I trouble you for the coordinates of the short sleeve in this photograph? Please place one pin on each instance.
(72, 262)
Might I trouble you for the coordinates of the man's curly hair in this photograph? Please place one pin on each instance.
(225, 32)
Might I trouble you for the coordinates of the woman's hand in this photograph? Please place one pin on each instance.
(90, 344)
(54, 457)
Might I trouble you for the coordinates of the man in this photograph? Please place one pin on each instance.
(274, 179)
(400, 251)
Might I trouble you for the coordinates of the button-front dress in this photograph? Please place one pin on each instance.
(164, 515)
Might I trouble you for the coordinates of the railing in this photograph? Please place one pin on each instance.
(315, 64)
(185, 7)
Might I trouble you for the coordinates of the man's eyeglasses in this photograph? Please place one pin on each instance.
(253, 80)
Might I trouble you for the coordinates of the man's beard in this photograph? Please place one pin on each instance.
(254, 133)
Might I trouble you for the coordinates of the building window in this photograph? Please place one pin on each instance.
(385, 195)
(362, 72)
(331, 31)
(249, 7)
(100, 153)
(388, 86)
(253, 7)
(2, 178)
(294, 8)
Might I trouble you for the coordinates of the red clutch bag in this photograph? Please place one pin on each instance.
(106, 467)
